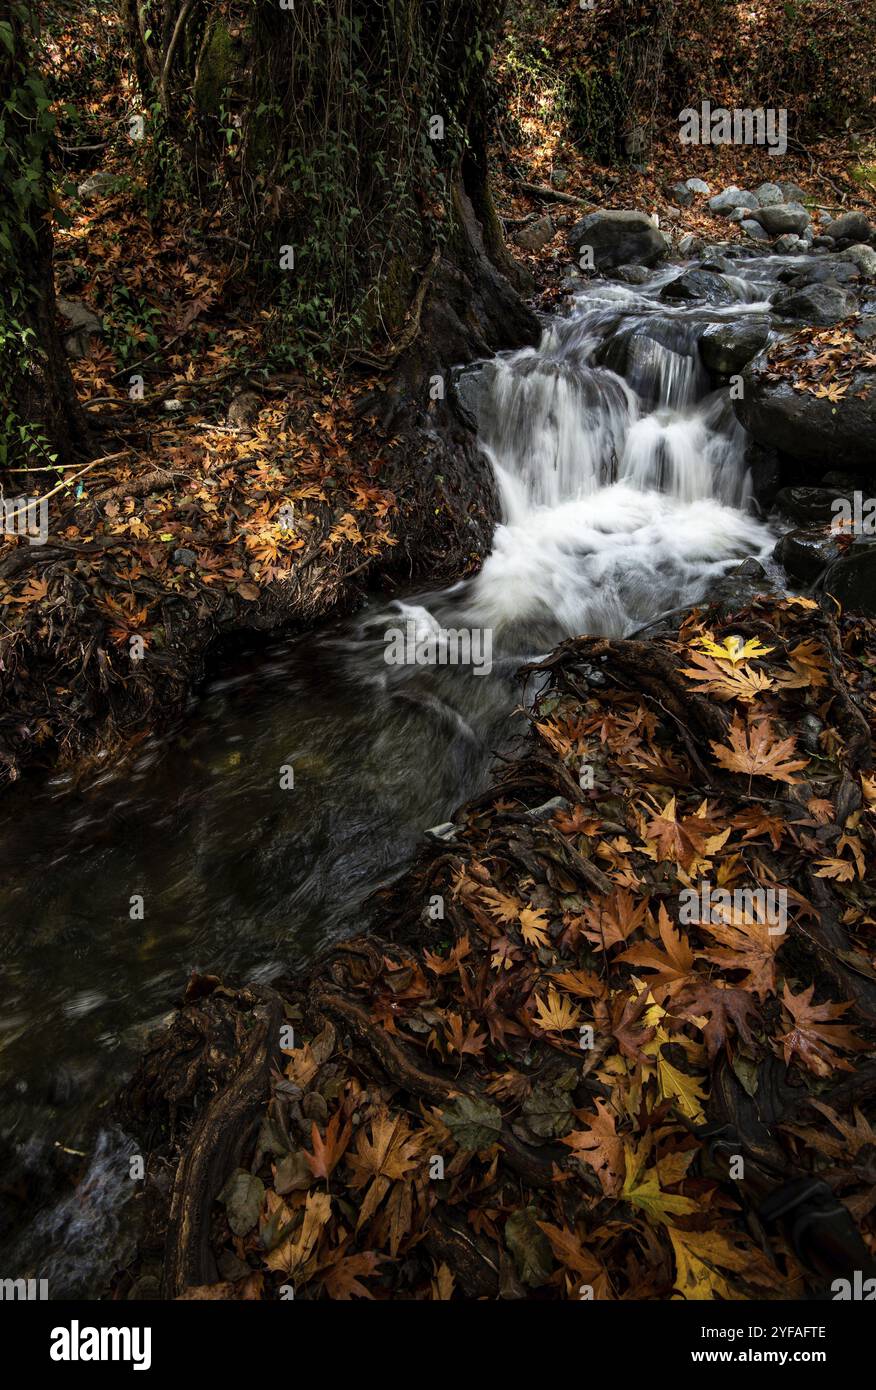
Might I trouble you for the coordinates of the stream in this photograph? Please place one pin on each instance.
(625, 495)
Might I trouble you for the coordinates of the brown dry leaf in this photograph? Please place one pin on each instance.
(291, 1255)
(680, 841)
(673, 967)
(815, 1034)
(600, 1146)
(757, 750)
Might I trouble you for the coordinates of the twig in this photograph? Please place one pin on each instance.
(540, 191)
(108, 458)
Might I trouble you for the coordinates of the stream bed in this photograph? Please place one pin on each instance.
(307, 774)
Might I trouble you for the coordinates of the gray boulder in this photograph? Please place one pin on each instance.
(852, 226)
(726, 347)
(83, 325)
(769, 194)
(535, 235)
(793, 193)
(631, 274)
(690, 245)
(731, 198)
(782, 218)
(698, 186)
(682, 195)
(819, 305)
(864, 257)
(754, 230)
(618, 238)
(790, 245)
(804, 426)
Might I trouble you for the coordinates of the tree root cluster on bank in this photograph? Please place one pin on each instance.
(613, 1039)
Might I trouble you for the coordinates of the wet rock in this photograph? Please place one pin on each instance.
(698, 186)
(700, 284)
(823, 243)
(809, 505)
(83, 325)
(819, 305)
(865, 328)
(852, 226)
(618, 238)
(769, 194)
(790, 245)
(851, 579)
(862, 256)
(726, 347)
(536, 234)
(803, 427)
(690, 245)
(731, 198)
(446, 831)
(184, 556)
(749, 569)
(830, 270)
(782, 218)
(765, 471)
(805, 552)
(754, 230)
(631, 274)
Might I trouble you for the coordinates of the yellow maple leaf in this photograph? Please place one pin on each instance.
(733, 649)
(700, 1255)
(558, 1014)
(533, 926)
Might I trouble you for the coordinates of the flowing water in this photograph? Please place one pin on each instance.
(624, 494)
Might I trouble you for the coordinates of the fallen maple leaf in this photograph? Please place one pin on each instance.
(755, 749)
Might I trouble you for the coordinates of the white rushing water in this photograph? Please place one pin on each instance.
(623, 495)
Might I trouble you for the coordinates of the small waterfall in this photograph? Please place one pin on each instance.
(621, 470)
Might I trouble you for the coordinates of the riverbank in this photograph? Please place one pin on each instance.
(508, 1087)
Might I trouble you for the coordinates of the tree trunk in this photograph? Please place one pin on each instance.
(347, 148)
(40, 420)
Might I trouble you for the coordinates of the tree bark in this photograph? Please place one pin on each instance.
(39, 416)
